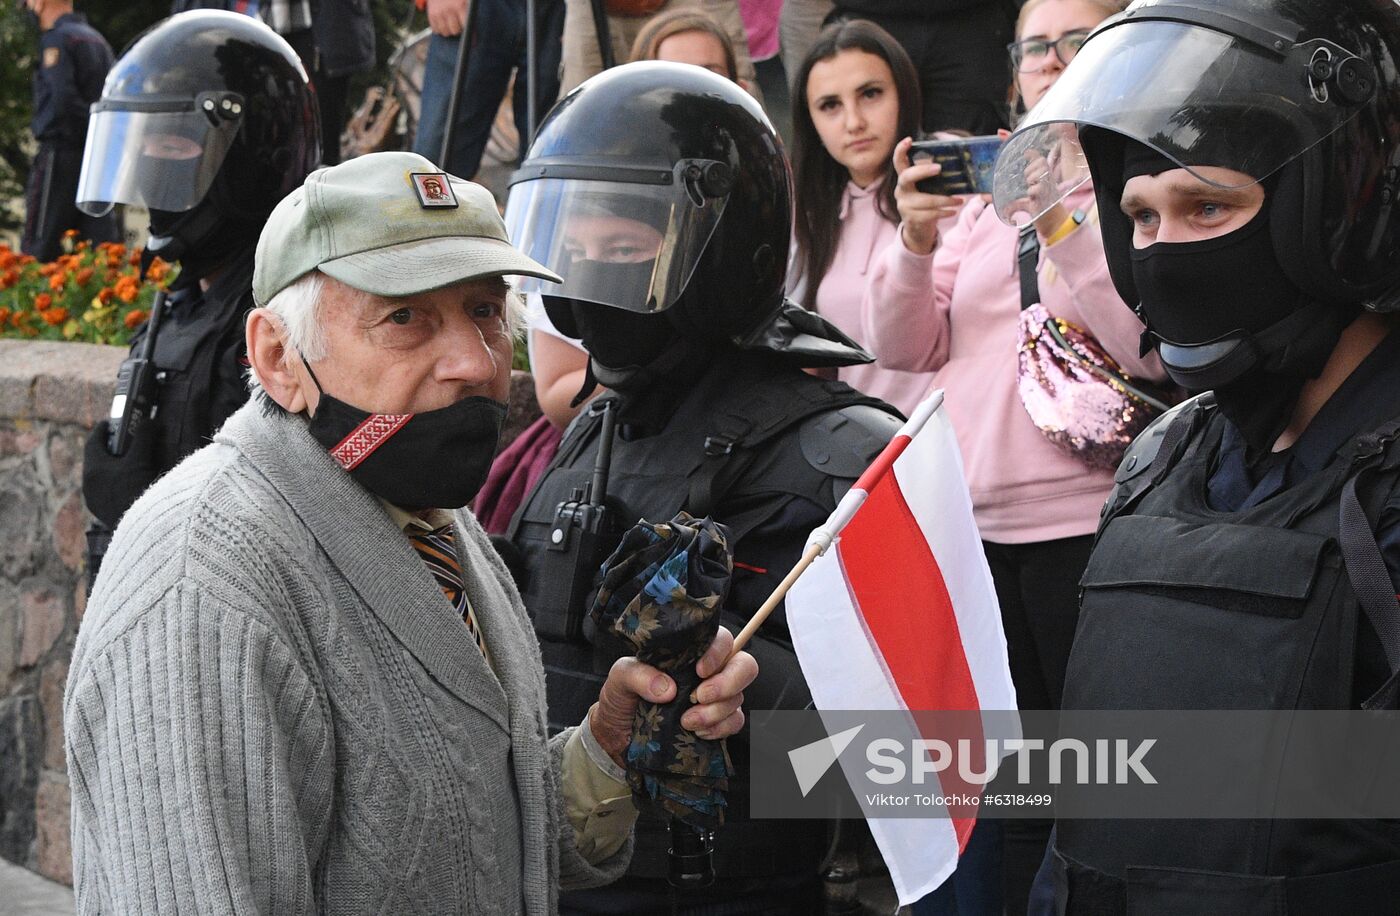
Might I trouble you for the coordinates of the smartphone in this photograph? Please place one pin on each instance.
(968, 164)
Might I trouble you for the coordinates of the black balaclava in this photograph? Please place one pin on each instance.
(642, 357)
(201, 239)
(1225, 316)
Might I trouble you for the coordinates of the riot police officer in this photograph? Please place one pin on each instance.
(660, 193)
(207, 120)
(1245, 157)
(73, 60)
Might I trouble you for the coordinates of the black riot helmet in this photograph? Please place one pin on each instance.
(1301, 95)
(661, 189)
(207, 120)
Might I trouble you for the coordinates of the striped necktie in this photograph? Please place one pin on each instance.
(438, 550)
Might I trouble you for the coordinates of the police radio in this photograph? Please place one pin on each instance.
(584, 528)
(135, 399)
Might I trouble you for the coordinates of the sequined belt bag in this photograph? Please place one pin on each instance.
(1072, 389)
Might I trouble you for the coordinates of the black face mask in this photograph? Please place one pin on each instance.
(200, 239)
(433, 460)
(1197, 293)
(620, 339)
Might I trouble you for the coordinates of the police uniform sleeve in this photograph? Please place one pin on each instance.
(92, 58)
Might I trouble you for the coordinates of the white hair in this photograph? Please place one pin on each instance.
(297, 309)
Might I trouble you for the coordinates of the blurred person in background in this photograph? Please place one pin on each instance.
(625, 21)
(498, 53)
(73, 61)
(958, 50)
(859, 94)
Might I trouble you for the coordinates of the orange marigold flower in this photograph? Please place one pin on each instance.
(4, 315)
(56, 281)
(158, 270)
(48, 269)
(104, 295)
(9, 278)
(70, 233)
(42, 301)
(134, 258)
(26, 259)
(83, 277)
(127, 288)
(134, 318)
(55, 317)
(18, 318)
(7, 258)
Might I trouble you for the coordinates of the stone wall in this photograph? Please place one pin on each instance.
(51, 394)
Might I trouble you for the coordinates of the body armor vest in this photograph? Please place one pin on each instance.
(764, 449)
(1186, 607)
(198, 357)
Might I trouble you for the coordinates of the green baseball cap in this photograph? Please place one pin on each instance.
(392, 224)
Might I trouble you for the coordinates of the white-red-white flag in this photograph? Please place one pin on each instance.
(901, 614)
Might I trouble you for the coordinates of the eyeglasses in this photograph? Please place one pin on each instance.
(1030, 55)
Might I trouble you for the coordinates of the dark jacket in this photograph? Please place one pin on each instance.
(911, 9)
(73, 62)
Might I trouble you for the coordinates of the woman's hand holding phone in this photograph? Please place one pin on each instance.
(919, 213)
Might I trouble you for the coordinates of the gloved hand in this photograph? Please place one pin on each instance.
(111, 484)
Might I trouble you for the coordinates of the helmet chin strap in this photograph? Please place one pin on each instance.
(1207, 366)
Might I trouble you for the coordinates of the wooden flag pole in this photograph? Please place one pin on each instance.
(813, 551)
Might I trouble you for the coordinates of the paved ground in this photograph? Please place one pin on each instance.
(23, 893)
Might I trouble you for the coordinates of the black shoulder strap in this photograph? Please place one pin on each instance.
(1027, 265)
(748, 421)
(1370, 578)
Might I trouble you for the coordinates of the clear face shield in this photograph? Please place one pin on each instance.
(1198, 96)
(158, 155)
(626, 238)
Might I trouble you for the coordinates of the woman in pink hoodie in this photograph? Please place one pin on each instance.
(948, 302)
(855, 95)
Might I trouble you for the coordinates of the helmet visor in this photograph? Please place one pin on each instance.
(161, 160)
(1199, 97)
(629, 246)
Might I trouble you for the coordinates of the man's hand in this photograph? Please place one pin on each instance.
(717, 713)
(447, 17)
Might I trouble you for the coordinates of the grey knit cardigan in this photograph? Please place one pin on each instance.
(271, 709)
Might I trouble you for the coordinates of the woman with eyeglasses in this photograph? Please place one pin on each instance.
(948, 302)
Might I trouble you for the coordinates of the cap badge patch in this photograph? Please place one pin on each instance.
(434, 190)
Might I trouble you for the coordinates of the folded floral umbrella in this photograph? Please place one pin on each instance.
(661, 592)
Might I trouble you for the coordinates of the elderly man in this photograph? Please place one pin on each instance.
(303, 686)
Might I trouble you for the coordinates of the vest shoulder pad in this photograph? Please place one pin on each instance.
(1142, 451)
(842, 443)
